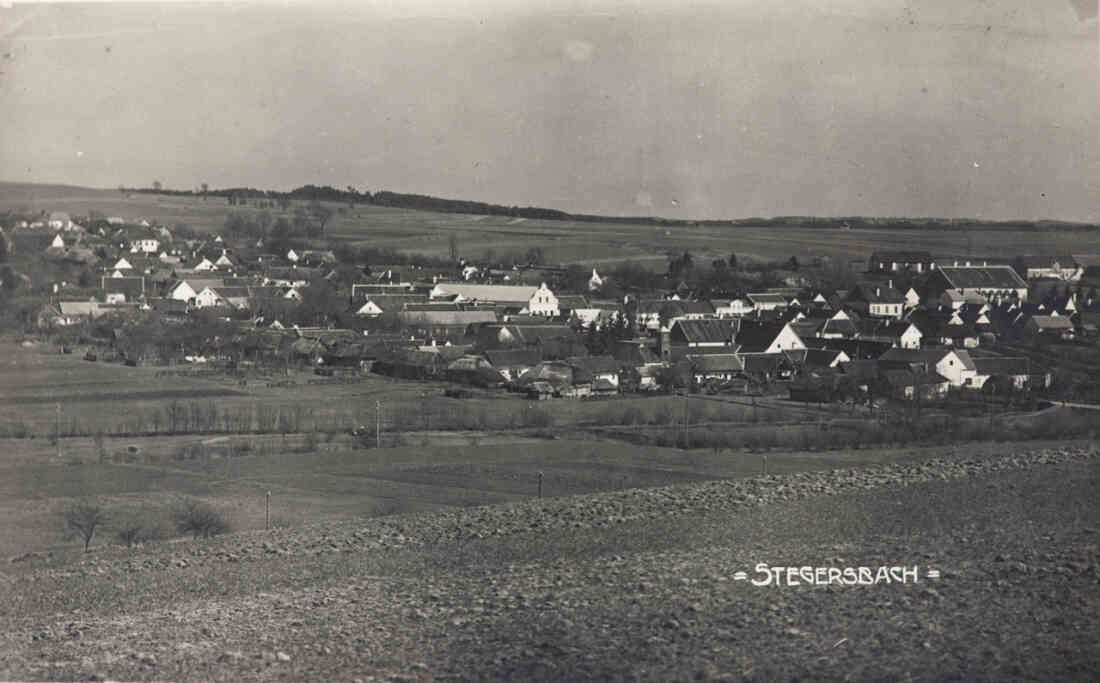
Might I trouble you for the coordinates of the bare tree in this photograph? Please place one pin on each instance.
(82, 518)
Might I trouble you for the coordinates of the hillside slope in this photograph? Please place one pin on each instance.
(626, 585)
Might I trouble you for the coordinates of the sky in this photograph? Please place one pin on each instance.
(742, 108)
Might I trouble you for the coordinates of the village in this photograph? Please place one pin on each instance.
(911, 326)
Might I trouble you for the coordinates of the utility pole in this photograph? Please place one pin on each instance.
(686, 418)
(267, 514)
(378, 424)
(58, 430)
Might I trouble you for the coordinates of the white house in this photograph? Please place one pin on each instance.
(207, 297)
(122, 264)
(532, 300)
(205, 264)
(59, 220)
(767, 301)
(182, 292)
(57, 242)
(144, 246)
(369, 309)
(292, 256)
(955, 365)
(912, 298)
(595, 282)
(224, 261)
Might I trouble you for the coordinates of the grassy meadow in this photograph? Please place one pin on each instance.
(588, 243)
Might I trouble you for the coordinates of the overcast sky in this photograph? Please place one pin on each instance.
(735, 109)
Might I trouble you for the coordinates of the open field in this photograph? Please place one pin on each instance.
(635, 585)
(562, 241)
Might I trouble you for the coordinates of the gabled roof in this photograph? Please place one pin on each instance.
(932, 356)
(717, 362)
(876, 294)
(767, 298)
(447, 318)
(130, 286)
(1002, 365)
(596, 365)
(1052, 322)
(503, 358)
(907, 378)
(982, 277)
(501, 293)
(572, 301)
(822, 358)
(703, 331)
(902, 256)
(395, 302)
(755, 337)
(529, 334)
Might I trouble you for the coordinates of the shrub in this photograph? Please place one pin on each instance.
(199, 519)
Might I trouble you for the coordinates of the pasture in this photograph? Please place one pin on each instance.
(586, 243)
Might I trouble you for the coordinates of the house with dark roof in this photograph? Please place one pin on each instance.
(908, 384)
(513, 362)
(856, 349)
(954, 364)
(702, 333)
(766, 337)
(877, 300)
(825, 358)
(122, 289)
(1049, 328)
(989, 281)
(899, 333)
(377, 304)
(716, 366)
(767, 301)
(1010, 372)
(1054, 266)
(900, 261)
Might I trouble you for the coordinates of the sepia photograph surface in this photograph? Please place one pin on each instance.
(505, 340)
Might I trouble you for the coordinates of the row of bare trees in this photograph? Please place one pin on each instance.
(82, 519)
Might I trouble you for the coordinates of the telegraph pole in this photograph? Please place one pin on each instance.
(378, 424)
(58, 430)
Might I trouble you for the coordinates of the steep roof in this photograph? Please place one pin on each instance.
(501, 293)
(767, 298)
(130, 286)
(822, 358)
(704, 331)
(530, 334)
(982, 277)
(877, 294)
(1052, 322)
(717, 362)
(755, 337)
(395, 302)
(447, 318)
(1002, 365)
(927, 356)
(503, 358)
(902, 256)
(572, 301)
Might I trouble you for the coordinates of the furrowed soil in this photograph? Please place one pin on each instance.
(627, 585)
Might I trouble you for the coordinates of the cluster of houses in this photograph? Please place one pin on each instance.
(917, 339)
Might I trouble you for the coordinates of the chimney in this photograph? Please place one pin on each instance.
(889, 284)
(968, 264)
(956, 263)
(878, 291)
